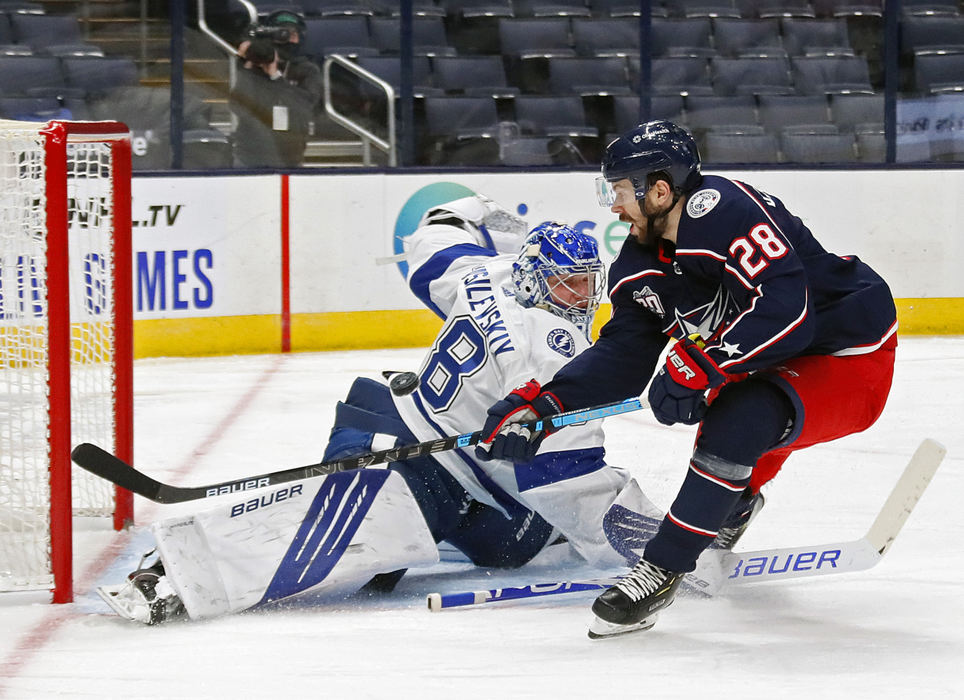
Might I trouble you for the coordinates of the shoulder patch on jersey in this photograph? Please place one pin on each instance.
(561, 340)
(702, 202)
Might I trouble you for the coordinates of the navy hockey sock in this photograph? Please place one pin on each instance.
(709, 492)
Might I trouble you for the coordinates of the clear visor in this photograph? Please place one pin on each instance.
(605, 194)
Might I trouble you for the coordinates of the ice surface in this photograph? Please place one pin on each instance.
(895, 631)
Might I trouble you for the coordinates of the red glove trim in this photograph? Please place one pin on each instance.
(689, 366)
(528, 391)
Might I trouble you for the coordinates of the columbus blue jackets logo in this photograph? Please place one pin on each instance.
(561, 340)
(702, 202)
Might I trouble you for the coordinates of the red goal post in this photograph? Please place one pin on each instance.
(66, 338)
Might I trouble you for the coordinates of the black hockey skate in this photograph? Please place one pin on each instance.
(635, 602)
(146, 597)
(738, 520)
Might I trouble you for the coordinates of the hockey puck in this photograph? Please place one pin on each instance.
(404, 383)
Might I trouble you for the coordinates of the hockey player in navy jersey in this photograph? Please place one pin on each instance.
(779, 345)
(515, 305)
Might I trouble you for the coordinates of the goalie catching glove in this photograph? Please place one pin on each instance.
(503, 432)
(678, 391)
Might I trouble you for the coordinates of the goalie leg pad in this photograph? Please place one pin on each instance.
(323, 537)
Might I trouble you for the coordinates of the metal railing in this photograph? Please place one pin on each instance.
(368, 137)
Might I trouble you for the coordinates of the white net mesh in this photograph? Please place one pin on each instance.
(24, 393)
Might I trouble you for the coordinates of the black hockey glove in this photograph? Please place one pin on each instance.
(678, 391)
(503, 433)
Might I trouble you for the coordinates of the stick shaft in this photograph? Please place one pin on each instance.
(108, 466)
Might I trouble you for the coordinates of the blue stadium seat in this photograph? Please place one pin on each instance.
(475, 9)
(705, 112)
(553, 115)
(39, 31)
(97, 76)
(702, 8)
(535, 38)
(749, 76)
(849, 8)
(857, 112)
(428, 36)
(814, 75)
(675, 76)
(588, 76)
(473, 75)
(562, 118)
(681, 37)
(605, 37)
(939, 73)
(743, 146)
(526, 150)
(816, 37)
(389, 69)
(30, 75)
(623, 9)
(817, 146)
(348, 36)
(339, 8)
(420, 8)
(550, 8)
(776, 8)
(778, 112)
(931, 35)
(461, 130)
(748, 37)
(930, 7)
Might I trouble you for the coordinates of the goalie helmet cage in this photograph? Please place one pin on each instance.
(66, 338)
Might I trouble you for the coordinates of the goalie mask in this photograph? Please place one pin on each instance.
(559, 270)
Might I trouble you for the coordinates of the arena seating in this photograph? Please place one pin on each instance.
(726, 69)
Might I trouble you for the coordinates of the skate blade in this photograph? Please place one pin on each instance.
(116, 600)
(600, 629)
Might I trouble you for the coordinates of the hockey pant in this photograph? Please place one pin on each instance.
(368, 419)
(753, 425)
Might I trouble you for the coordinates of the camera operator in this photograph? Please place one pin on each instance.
(276, 94)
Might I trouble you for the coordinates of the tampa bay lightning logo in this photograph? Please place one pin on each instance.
(561, 340)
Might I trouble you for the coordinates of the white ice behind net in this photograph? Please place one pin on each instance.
(24, 485)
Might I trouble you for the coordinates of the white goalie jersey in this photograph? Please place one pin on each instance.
(489, 345)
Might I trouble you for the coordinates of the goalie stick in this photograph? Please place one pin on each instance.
(718, 568)
(107, 466)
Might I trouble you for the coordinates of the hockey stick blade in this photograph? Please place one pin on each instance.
(107, 466)
(719, 569)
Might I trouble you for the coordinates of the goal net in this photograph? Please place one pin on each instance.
(65, 338)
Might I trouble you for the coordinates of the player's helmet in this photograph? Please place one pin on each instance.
(649, 148)
(559, 270)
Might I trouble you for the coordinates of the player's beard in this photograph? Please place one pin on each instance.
(651, 227)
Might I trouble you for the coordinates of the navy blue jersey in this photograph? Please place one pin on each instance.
(745, 274)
